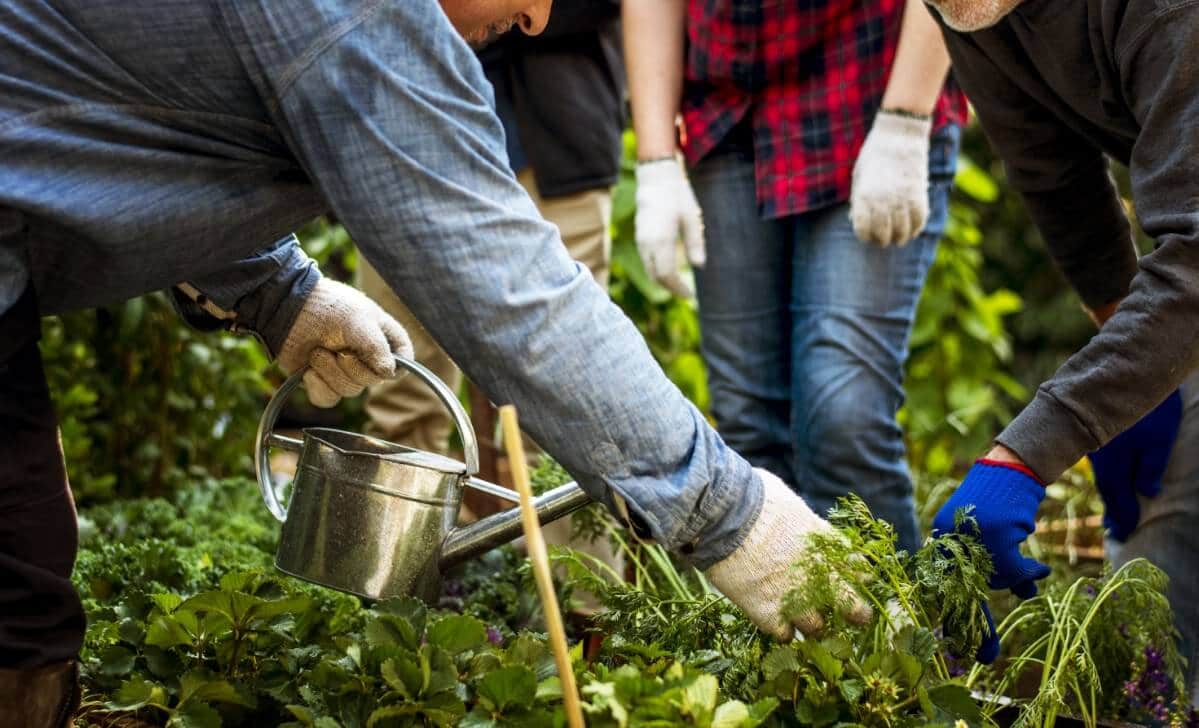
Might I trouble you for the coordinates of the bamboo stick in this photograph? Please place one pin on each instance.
(535, 545)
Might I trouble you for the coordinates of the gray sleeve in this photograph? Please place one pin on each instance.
(1149, 346)
(1062, 177)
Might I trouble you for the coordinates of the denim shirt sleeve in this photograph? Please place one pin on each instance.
(388, 111)
(262, 293)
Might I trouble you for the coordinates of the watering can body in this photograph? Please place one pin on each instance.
(376, 519)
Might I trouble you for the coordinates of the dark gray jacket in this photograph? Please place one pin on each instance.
(561, 96)
(1057, 85)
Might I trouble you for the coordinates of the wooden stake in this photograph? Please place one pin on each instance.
(535, 545)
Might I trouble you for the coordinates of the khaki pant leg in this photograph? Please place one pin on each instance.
(583, 220)
(405, 410)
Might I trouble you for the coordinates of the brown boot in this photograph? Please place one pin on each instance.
(44, 697)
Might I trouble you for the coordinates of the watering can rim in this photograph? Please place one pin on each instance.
(399, 454)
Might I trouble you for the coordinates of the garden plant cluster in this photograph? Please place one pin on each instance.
(191, 627)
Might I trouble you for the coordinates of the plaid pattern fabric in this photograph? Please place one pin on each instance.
(808, 74)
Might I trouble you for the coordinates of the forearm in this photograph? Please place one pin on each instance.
(654, 32)
(921, 63)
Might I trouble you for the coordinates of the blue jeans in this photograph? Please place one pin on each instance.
(1167, 536)
(805, 332)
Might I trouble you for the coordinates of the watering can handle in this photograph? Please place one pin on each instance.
(266, 437)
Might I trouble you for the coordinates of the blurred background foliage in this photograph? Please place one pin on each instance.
(147, 404)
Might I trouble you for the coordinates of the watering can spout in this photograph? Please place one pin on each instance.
(482, 536)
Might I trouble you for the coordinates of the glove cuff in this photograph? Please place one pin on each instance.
(1018, 467)
(907, 126)
(667, 170)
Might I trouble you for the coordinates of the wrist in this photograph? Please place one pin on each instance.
(1000, 456)
(643, 161)
(906, 113)
(1101, 314)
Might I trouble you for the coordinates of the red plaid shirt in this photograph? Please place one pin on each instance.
(810, 75)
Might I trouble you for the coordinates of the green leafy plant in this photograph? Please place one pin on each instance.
(147, 405)
(1086, 640)
(959, 389)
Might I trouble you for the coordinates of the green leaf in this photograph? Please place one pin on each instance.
(477, 718)
(549, 689)
(926, 704)
(167, 602)
(732, 714)
(392, 711)
(442, 674)
(393, 630)
(975, 182)
(210, 601)
(116, 661)
(700, 696)
(508, 687)
(956, 701)
(194, 714)
(207, 687)
(166, 632)
(828, 666)
(137, 692)
(910, 669)
(274, 608)
(851, 689)
(760, 711)
(457, 634)
(779, 660)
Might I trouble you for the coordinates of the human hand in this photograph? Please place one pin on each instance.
(666, 209)
(758, 575)
(345, 339)
(1002, 499)
(1133, 464)
(888, 201)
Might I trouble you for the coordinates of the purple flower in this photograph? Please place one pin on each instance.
(494, 636)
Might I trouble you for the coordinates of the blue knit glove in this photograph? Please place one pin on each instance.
(1003, 499)
(1133, 464)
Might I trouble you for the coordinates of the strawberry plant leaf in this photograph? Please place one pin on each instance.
(956, 701)
(760, 711)
(136, 693)
(457, 634)
(781, 659)
(507, 688)
(732, 714)
(194, 714)
(116, 661)
(700, 696)
(393, 630)
(167, 632)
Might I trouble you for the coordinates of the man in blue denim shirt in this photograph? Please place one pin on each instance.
(147, 144)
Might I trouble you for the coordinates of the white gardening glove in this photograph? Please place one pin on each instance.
(345, 339)
(666, 209)
(889, 200)
(759, 573)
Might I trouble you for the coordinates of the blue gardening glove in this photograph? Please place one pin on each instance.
(1133, 464)
(1003, 499)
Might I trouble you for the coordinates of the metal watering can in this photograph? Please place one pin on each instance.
(377, 519)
